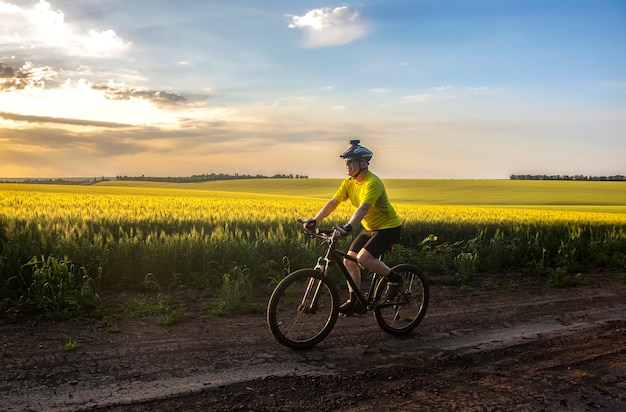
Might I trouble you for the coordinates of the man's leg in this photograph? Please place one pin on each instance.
(352, 304)
(371, 263)
(353, 269)
(394, 280)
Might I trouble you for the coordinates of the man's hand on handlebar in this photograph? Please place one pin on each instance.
(336, 233)
(309, 224)
(342, 231)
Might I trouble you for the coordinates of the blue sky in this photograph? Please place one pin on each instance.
(436, 88)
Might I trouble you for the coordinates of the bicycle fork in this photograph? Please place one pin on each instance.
(311, 296)
(310, 299)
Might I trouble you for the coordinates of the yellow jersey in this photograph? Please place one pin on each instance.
(371, 191)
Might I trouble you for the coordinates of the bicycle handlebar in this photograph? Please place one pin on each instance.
(325, 234)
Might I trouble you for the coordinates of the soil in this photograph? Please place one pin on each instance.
(507, 344)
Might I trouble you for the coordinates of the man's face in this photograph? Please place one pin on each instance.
(352, 167)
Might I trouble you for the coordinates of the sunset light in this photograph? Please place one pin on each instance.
(437, 89)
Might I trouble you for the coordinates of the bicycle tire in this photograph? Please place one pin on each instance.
(409, 308)
(292, 318)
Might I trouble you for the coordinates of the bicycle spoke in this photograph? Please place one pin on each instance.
(407, 311)
(302, 309)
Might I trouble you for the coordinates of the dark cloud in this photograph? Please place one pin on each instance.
(20, 78)
(60, 120)
(59, 140)
(28, 76)
(159, 98)
(6, 72)
(103, 143)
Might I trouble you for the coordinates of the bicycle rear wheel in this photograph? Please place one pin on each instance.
(303, 309)
(407, 310)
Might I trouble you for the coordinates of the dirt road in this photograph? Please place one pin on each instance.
(504, 346)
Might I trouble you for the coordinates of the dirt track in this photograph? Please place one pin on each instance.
(530, 349)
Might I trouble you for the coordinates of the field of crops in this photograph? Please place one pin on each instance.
(117, 234)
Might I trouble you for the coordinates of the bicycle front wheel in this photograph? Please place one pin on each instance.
(303, 309)
(407, 310)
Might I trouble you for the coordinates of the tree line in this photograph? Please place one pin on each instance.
(206, 177)
(57, 181)
(177, 179)
(615, 178)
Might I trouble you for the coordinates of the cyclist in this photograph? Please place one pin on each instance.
(381, 224)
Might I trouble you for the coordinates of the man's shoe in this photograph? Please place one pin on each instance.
(351, 306)
(392, 290)
(346, 307)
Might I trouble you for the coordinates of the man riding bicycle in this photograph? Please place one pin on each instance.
(381, 224)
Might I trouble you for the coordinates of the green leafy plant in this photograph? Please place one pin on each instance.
(561, 278)
(58, 289)
(156, 302)
(276, 277)
(107, 317)
(173, 315)
(237, 293)
(466, 264)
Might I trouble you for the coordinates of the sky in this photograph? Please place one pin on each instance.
(445, 89)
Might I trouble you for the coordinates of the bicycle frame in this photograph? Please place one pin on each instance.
(337, 256)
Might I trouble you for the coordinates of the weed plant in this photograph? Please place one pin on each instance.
(54, 288)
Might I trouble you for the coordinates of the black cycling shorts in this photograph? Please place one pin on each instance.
(376, 242)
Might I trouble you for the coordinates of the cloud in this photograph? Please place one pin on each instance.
(30, 77)
(476, 89)
(82, 103)
(38, 150)
(31, 30)
(27, 76)
(330, 27)
(423, 97)
(157, 97)
(613, 85)
(61, 73)
(447, 92)
(381, 90)
(443, 88)
(57, 120)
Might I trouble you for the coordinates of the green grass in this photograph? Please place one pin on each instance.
(555, 195)
(509, 193)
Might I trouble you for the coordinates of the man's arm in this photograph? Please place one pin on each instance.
(359, 214)
(328, 208)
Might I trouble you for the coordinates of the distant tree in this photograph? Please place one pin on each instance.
(615, 178)
(202, 178)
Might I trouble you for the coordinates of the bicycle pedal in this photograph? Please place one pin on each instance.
(355, 311)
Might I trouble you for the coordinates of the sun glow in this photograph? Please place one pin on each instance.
(78, 100)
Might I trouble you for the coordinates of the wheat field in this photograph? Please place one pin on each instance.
(127, 230)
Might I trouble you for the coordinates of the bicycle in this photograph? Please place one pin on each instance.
(304, 306)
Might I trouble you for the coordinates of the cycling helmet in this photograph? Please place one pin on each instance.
(356, 151)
